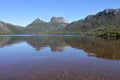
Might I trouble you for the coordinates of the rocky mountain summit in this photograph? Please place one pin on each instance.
(111, 11)
(37, 21)
(58, 20)
(39, 26)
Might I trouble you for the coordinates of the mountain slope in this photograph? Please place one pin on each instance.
(104, 19)
(6, 28)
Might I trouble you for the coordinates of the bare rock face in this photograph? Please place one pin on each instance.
(7, 28)
(3, 26)
(109, 12)
(58, 20)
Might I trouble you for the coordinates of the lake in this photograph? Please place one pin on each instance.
(59, 58)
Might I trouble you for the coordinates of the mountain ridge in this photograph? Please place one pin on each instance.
(102, 22)
(103, 19)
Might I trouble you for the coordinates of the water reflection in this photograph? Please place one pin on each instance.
(94, 46)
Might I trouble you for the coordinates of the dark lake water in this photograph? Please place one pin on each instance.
(59, 58)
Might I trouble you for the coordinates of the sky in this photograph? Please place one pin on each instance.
(23, 12)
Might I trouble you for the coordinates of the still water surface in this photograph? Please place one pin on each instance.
(59, 58)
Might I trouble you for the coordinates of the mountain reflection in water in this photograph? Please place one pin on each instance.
(94, 46)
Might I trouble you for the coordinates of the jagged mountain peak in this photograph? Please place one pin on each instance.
(58, 20)
(38, 25)
(37, 21)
